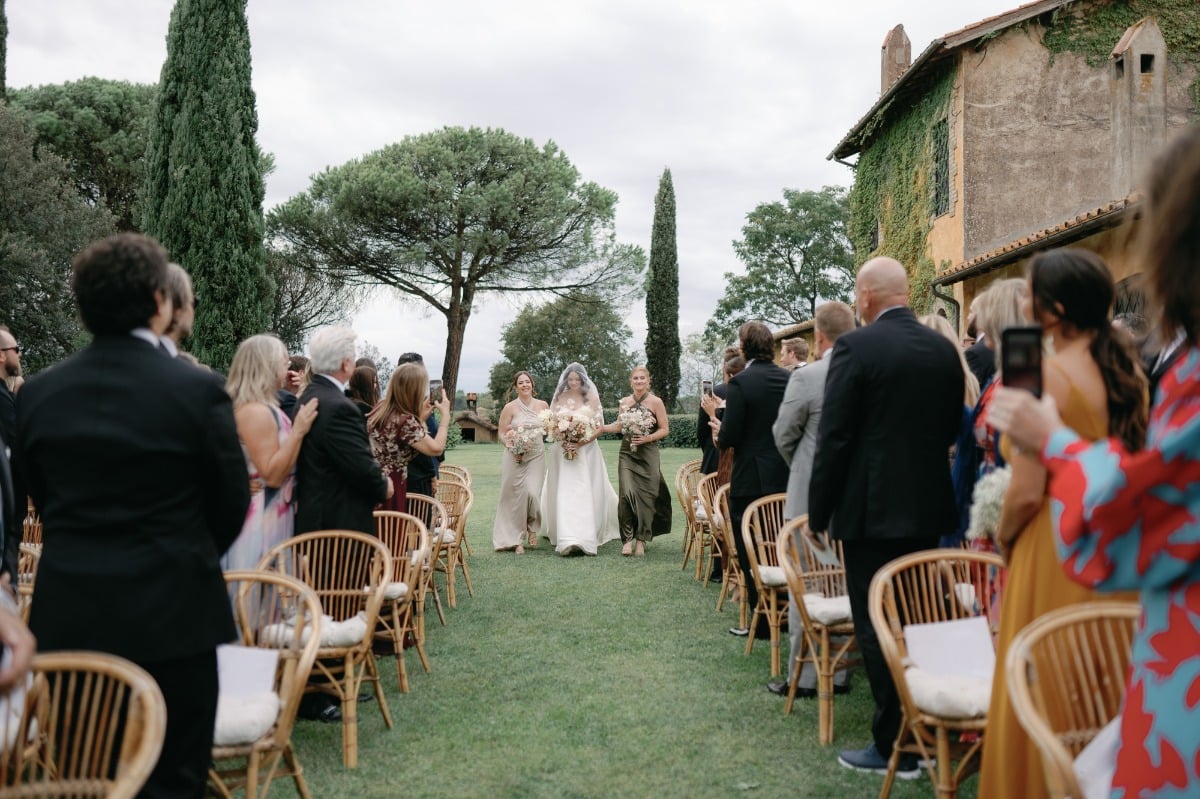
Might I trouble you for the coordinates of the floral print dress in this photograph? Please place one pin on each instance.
(391, 443)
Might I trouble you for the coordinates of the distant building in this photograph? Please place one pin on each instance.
(476, 428)
(1026, 131)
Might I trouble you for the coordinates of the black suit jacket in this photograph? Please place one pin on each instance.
(338, 480)
(893, 406)
(14, 498)
(752, 400)
(982, 362)
(132, 458)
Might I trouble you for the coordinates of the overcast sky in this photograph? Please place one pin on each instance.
(739, 100)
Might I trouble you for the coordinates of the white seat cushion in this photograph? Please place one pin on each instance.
(444, 535)
(392, 591)
(772, 576)
(244, 718)
(827, 610)
(698, 509)
(949, 696)
(332, 633)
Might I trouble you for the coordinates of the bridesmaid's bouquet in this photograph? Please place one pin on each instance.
(569, 426)
(635, 421)
(522, 439)
(986, 501)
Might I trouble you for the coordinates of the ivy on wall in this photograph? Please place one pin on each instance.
(893, 193)
(1093, 28)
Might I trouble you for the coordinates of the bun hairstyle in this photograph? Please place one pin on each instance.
(1076, 286)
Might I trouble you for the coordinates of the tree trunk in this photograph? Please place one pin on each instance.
(457, 315)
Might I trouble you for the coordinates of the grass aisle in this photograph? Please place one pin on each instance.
(587, 677)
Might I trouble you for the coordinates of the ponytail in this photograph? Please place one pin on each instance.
(1126, 386)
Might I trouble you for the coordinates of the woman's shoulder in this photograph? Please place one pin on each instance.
(1077, 386)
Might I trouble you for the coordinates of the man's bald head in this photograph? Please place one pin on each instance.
(882, 283)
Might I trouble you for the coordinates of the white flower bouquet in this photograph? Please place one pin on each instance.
(569, 426)
(635, 421)
(986, 502)
(523, 439)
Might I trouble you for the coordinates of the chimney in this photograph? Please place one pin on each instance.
(896, 57)
(1138, 97)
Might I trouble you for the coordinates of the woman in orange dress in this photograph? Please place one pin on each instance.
(1097, 383)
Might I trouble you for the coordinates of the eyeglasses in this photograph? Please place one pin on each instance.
(15, 348)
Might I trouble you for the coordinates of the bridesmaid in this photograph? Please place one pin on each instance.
(645, 502)
(518, 513)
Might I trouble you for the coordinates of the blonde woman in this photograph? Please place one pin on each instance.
(971, 382)
(397, 428)
(271, 444)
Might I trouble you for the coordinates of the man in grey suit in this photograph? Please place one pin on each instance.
(795, 432)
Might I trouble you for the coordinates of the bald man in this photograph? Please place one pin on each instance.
(881, 475)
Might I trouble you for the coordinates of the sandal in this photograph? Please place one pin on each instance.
(627, 549)
(531, 541)
(520, 550)
(641, 549)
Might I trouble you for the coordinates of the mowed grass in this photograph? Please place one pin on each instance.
(588, 677)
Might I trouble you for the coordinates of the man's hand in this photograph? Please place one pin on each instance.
(391, 489)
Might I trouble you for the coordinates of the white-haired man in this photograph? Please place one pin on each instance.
(338, 480)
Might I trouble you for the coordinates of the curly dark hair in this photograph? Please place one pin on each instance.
(1077, 286)
(757, 342)
(115, 280)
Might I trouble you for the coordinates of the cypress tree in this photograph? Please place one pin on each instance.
(3, 49)
(662, 297)
(204, 184)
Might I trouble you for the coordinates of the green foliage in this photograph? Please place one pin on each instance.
(454, 437)
(1093, 29)
(893, 192)
(204, 185)
(662, 296)
(99, 128)
(796, 252)
(452, 214)
(3, 48)
(682, 431)
(543, 339)
(43, 223)
(306, 298)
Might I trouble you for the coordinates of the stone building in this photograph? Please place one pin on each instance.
(1025, 131)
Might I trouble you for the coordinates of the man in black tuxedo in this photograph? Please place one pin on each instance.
(752, 399)
(338, 480)
(132, 459)
(881, 476)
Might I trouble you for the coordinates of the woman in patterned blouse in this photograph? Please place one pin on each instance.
(397, 427)
(1132, 520)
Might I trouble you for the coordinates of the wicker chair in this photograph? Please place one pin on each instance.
(760, 528)
(446, 543)
(1066, 679)
(347, 571)
(433, 515)
(27, 564)
(408, 541)
(922, 588)
(708, 536)
(685, 480)
(732, 578)
(261, 600)
(94, 724)
(807, 577)
(454, 471)
(31, 529)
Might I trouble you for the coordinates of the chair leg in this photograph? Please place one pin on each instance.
(350, 714)
(293, 764)
(825, 698)
(398, 645)
(889, 779)
(252, 763)
(750, 635)
(371, 668)
(794, 681)
(462, 563)
(775, 636)
(947, 787)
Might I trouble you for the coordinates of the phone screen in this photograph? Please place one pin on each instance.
(435, 391)
(1021, 358)
(706, 387)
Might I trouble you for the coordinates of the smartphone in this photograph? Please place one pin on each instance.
(1021, 358)
(435, 391)
(706, 388)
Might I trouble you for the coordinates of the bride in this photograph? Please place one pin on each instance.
(579, 505)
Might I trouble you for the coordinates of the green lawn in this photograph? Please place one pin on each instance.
(588, 677)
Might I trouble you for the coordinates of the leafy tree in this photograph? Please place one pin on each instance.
(662, 296)
(43, 223)
(99, 127)
(796, 252)
(204, 184)
(3, 48)
(449, 215)
(700, 360)
(544, 338)
(383, 366)
(306, 299)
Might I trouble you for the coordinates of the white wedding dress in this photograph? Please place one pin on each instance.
(579, 505)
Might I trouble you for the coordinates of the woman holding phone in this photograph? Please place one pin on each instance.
(397, 426)
(1096, 382)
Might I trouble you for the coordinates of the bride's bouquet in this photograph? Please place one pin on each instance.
(523, 439)
(986, 501)
(569, 426)
(635, 421)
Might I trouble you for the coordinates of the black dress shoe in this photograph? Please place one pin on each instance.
(778, 688)
(740, 632)
(320, 707)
